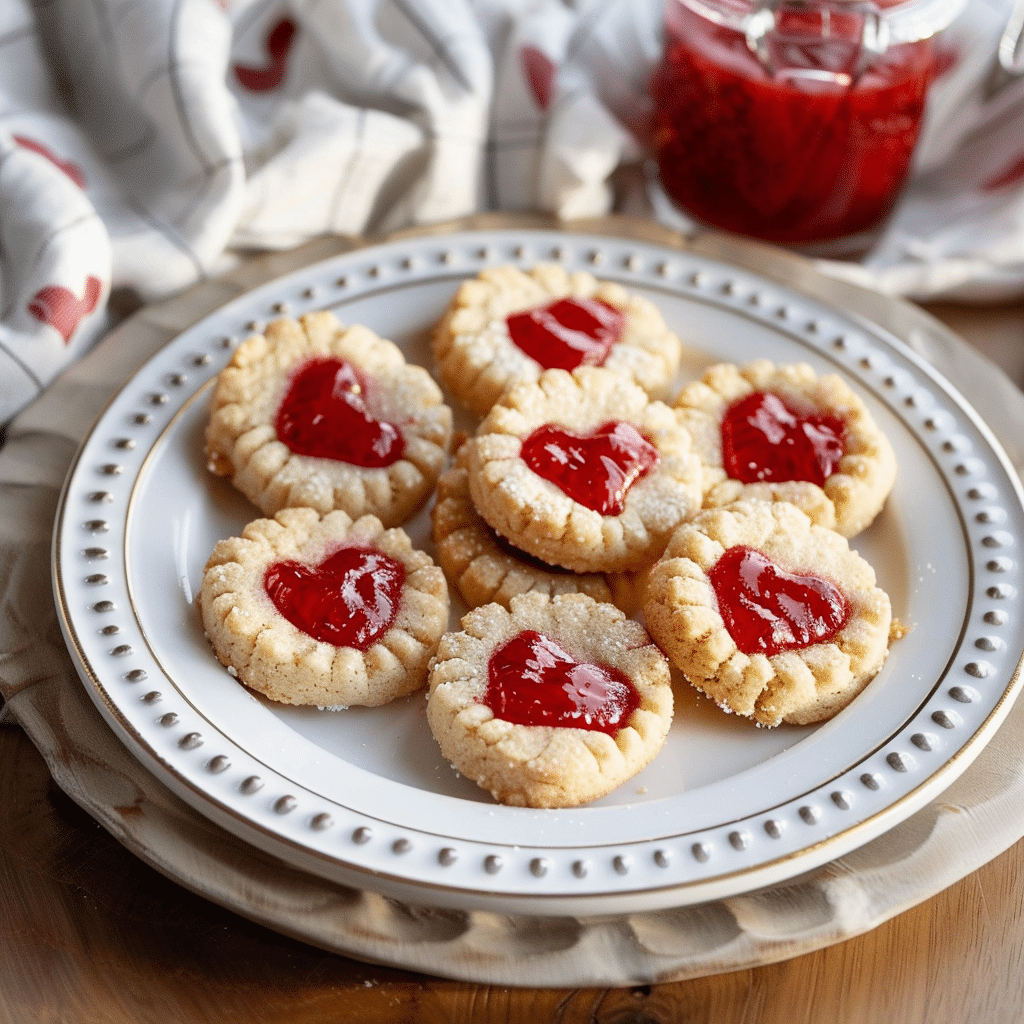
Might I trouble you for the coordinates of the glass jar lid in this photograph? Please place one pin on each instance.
(866, 27)
(903, 21)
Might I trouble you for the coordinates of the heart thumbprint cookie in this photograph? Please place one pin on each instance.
(313, 414)
(320, 610)
(772, 616)
(507, 326)
(484, 567)
(780, 432)
(583, 471)
(552, 702)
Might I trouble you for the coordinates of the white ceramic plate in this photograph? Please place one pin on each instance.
(364, 798)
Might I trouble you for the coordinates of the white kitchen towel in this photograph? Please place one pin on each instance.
(144, 144)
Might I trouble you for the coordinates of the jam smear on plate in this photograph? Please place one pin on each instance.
(567, 333)
(532, 680)
(767, 609)
(595, 469)
(324, 415)
(766, 439)
(348, 600)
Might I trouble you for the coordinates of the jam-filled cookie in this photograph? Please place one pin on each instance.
(314, 414)
(324, 611)
(484, 567)
(773, 617)
(507, 326)
(552, 703)
(582, 470)
(780, 432)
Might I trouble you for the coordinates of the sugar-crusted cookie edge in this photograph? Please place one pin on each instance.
(484, 571)
(478, 362)
(538, 517)
(798, 687)
(545, 766)
(850, 499)
(273, 657)
(241, 442)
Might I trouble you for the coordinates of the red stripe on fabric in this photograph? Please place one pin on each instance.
(269, 76)
(69, 167)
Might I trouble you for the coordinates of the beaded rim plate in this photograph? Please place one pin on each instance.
(362, 797)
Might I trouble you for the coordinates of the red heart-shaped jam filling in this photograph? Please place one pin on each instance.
(595, 469)
(348, 600)
(568, 333)
(324, 414)
(767, 609)
(531, 680)
(764, 438)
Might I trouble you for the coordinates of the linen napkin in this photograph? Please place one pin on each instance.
(148, 144)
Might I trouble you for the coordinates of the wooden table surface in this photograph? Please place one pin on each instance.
(91, 935)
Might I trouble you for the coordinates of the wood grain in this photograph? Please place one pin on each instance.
(91, 935)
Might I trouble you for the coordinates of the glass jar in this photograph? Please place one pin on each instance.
(793, 120)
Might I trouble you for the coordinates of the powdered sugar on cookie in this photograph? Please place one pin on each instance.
(791, 635)
(813, 425)
(652, 472)
(323, 611)
(588, 707)
(313, 414)
(476, 348)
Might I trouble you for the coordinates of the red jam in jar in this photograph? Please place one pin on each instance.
(595, 469)
(765, 439)
(532, 680)
(567, 333)
(767, 609)
(802, 138)
(324, 415)
(348, 600)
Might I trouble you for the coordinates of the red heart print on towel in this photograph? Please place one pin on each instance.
(62, 309)
(271, 74)
(323, 415)
(350, 599)
(532, 680)
(596, 469)
(540, 74)
(69, 167)
(767, 609)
